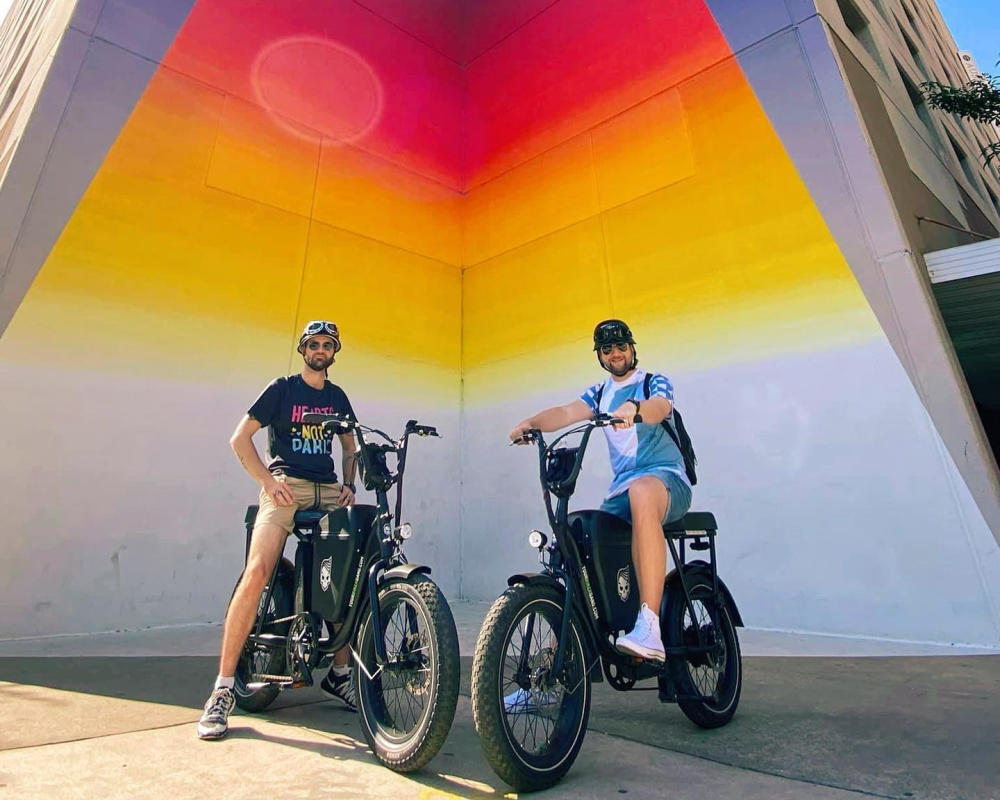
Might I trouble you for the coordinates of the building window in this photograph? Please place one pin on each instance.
(920, 107)
(915, 55)
(993, 199)
(963, 162)
(858, 25)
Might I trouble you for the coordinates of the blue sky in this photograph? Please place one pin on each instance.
(975, 24)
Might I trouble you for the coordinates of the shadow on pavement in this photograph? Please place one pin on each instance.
(899, 727)
(448, 772)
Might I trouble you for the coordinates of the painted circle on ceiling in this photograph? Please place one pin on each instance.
(313, 87)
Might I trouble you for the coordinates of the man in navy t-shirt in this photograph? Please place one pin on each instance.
(650, 486)
(300, 474)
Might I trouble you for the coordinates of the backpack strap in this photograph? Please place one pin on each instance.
(666, 420)
(600, 394)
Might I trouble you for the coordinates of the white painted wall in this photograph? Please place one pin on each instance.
(123, 503)
(839, 508)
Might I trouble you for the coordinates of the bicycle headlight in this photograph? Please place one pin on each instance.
(404, 531)
(537, 539)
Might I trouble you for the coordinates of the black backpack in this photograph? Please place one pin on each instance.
(679, 436)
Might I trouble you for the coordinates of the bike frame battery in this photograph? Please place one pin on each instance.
(605, 544)
(336, 552)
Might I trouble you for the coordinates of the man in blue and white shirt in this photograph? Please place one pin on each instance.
(650, 486)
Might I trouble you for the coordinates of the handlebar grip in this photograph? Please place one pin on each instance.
(420, 430)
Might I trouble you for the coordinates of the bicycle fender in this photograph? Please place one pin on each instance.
(693, 567)
(529, 578)
(404, 571)
(590, 646)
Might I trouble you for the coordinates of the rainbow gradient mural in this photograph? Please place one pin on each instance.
(466, 188)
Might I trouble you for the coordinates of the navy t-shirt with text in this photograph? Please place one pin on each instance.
(296, 449)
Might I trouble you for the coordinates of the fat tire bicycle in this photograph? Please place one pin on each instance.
(351, 584)
(552, 633)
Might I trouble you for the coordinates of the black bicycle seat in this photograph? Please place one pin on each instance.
(352, 518)
(691, 522)
(305, 519)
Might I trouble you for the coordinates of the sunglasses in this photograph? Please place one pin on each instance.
(321, 326)
(607, 349)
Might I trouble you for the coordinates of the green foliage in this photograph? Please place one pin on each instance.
(977, 100)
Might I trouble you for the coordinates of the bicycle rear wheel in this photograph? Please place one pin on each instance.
(708, 683)
(257, 659)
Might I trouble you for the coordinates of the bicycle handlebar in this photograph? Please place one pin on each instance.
(562, 481)
(345, 424)
(533, 435)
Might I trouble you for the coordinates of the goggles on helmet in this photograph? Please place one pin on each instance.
(612, 331)
(320, 327)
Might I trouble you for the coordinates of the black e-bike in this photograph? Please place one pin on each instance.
(352, 585)
(552, 632)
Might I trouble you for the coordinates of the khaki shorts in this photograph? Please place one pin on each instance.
(307, 496)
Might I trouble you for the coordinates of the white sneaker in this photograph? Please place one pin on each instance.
(523, 701)
(644, 639)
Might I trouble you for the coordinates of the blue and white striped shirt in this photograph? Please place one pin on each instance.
(643, 449)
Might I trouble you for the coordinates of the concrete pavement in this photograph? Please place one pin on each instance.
(113, 716)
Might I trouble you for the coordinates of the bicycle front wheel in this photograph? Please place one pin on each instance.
(406, 705)
(530, 720)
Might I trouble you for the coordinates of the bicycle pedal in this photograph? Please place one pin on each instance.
(293, 685)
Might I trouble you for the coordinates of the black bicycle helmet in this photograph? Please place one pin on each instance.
(613, 331)
(320, 327)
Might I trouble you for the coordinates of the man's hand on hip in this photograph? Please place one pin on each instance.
(279, 492)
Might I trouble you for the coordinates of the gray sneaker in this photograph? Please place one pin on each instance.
(340, 686)
(214, 723)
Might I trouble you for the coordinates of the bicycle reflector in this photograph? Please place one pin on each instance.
(537, 539)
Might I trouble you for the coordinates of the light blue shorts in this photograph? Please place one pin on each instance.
(680, 498)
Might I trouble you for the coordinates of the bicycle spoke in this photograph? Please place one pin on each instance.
(706, 677)
(409, 665)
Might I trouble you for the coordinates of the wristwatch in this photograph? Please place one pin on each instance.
(638, 416)
(350, 486)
